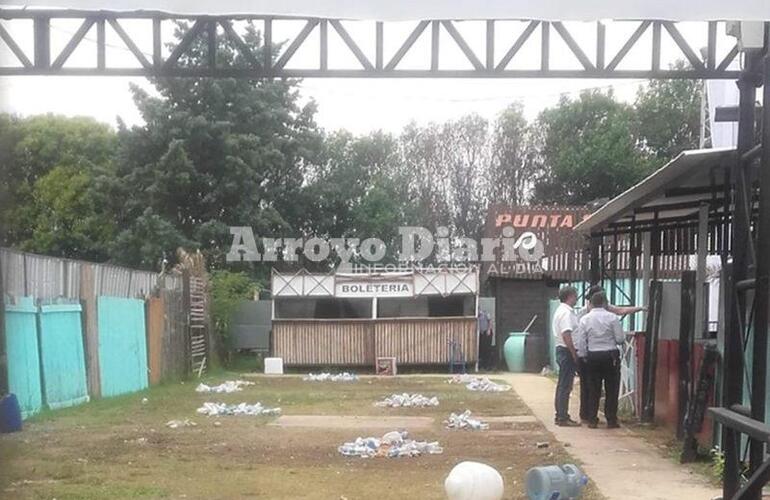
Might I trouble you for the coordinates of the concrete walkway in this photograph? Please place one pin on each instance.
(621, 464)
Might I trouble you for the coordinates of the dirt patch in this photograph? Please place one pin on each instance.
(121, 448)
(513, 420)
(353, 422)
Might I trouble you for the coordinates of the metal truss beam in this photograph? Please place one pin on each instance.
(276, 58)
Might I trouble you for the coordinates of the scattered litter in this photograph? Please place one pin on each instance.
(482, 384)
(217, 424)
(328, 377)
(461, 379)
(391, 445)
(465, 421)
(255, 410)
(141, 440)
(542, 444)
(145, 401)
(407, 400)
(546, 371)
(227, 387)
(174, 424)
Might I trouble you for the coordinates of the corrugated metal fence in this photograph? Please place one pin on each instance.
(43, 277)
(49, 285)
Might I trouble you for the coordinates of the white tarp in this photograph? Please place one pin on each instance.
(567, 10)
(722, 93)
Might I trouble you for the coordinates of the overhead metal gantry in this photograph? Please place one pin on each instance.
(595, 58)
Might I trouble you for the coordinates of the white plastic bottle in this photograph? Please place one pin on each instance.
(473, 481)
(554, 482)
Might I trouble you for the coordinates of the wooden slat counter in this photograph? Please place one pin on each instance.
(355, 342)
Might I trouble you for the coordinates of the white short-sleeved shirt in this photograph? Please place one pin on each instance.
(599, 330)
(564, 320)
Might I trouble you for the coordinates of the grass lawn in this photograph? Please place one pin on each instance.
(121, 448)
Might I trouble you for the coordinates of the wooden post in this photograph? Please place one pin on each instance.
(90, 328)
(646, 274)
(686, 335)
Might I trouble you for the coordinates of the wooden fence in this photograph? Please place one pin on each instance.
(167, 343)
(356, 342)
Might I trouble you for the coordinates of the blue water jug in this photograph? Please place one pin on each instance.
(10, 414)
(555, 482)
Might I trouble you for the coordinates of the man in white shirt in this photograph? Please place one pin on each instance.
(564, 323)
(582, 364)
(597, 340)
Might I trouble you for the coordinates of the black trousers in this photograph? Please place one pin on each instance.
(603, 370)
(582, 369)
(486, 352)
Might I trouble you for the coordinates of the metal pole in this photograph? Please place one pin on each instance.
(596, 272)
(633, 274)
(759, 361)
(733, 352)
(3, 353)
(700, 270)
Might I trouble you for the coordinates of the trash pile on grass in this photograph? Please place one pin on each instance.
(175, 424)
(255, 410)
(225, 387)
(481, 384)
(392, 445)
(465, 421)
(407, 401)
(328, 377)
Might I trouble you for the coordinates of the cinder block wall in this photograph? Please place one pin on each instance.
(516, 301)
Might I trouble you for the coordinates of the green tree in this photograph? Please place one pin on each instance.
(512, 165)
(356, 191)
(47, 165)
(444, 166)
(587, 150)
(65, 219)
(668, 116)
(212, 153)
(228, 289)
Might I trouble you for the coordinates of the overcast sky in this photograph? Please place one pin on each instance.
(359, 105)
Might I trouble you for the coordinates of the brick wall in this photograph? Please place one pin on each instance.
(516, 301)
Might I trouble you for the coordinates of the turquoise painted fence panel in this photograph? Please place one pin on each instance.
(23, 359)
(122, 345)
(61, 354)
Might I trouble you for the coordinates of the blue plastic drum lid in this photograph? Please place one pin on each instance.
(513, 350)
(10, 414)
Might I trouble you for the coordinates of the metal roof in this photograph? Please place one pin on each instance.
(673, 191)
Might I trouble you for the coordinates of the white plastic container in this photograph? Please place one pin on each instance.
(473, 481)
(554, 482)
(273, 366)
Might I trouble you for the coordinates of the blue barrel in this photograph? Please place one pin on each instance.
(10, 414)
(513, 350)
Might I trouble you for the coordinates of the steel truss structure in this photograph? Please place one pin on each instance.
(746, 308)
(595, 60)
